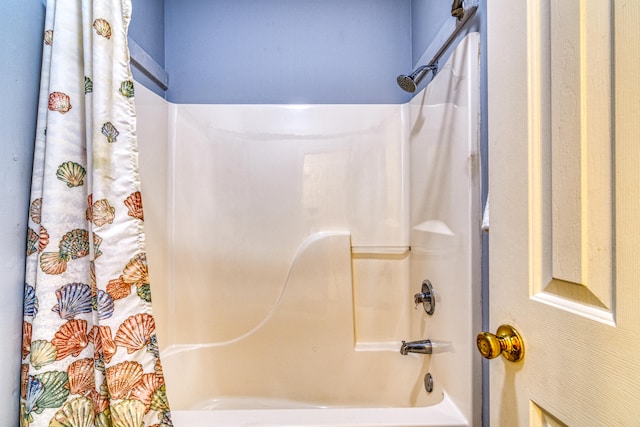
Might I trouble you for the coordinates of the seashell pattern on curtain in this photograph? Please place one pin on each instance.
(89, 352)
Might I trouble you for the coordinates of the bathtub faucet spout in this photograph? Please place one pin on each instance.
(422, 347)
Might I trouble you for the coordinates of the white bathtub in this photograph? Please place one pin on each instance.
(444, 414)
(303, 361)
(285, 244)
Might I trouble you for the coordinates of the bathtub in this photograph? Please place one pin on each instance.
(302, 358)
(444, 414)
(303, 365)
(283, 282)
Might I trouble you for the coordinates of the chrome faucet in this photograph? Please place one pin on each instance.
(425, 347)
(426, 298)
(422, 347)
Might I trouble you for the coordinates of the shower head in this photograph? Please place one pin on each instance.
(406, 83)
(410, 83)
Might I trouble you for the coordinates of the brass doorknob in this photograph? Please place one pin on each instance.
(506, 341)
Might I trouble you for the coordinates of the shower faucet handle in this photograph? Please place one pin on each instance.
(427, 298)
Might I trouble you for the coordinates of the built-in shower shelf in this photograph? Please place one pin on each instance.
(380, 250)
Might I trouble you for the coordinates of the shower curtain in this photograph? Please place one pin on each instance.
(89, 355)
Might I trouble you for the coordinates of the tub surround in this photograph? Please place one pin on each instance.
(286, 242)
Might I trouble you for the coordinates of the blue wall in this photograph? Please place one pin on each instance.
(287, 51)
(21, 30)
(427, 17)
(147, 27)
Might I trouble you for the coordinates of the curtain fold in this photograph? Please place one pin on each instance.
(90, 355)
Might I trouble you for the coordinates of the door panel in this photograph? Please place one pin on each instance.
(565, 222)
(539, 418)
(571, 181)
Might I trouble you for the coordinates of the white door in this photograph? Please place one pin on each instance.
(564, 182)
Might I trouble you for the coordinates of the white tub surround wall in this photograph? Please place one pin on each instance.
(152, 118)
(445, 220)
(254, 182)
(291, 241)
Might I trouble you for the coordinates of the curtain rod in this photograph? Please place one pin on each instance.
(147, 65)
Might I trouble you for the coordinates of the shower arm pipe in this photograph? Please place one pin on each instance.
(410, 83)
(468, 14)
